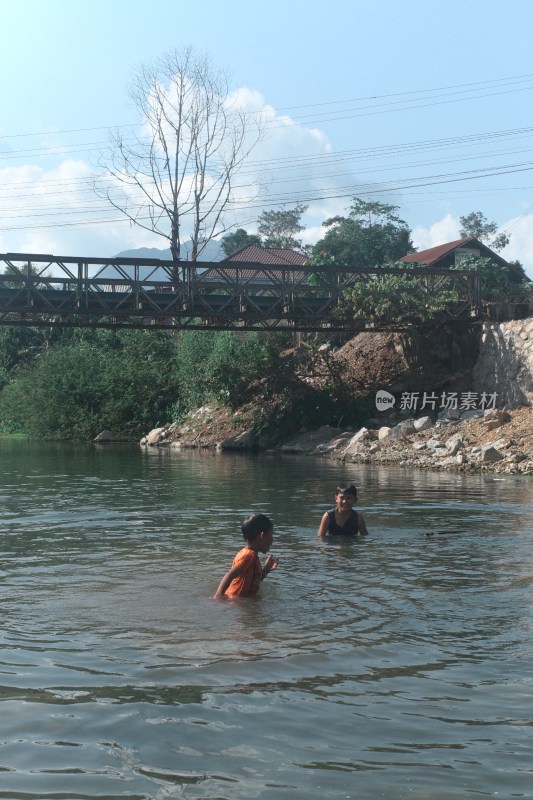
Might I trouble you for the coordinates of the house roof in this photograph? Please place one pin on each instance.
(254, 257)
(271, 256)
(434, 254)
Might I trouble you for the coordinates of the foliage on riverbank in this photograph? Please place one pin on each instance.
(65, 386)
(75, 383)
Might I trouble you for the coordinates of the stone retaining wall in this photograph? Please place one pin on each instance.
(505, 363)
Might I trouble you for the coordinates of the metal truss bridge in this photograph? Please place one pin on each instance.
(44, 290)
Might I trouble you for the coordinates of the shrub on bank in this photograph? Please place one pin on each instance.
(123, 381)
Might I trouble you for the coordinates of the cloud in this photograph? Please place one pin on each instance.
(445, 230)
(53, 208)
(297, 164)
(520, 248)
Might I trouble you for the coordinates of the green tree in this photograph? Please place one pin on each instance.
(18, 345)
(237, 240)
(371, 235)
(498, 284)
(517, 273)
(280, 228)
(477, 225)
(123, 380)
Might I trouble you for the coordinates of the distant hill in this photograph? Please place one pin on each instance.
(146, 252)
(212, 252)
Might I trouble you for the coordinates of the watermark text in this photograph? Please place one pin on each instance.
(442, 401)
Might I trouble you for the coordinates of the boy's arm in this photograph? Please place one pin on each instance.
(323, 527)
(234, 572)
(362, 525)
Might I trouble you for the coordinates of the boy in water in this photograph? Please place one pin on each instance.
(343, 520)
(246, 573)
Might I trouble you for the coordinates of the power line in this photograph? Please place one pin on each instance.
(306, 161)
(347, 191)
(311, 167)
(481, 85)
(512, 78)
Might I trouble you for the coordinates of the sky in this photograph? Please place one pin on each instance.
(423, 104)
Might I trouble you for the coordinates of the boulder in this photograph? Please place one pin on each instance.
(308, 442)
(453, 413)
(335, 445)
(155, 436)
(489, 453)
(246, 440)
(405, 428)
(449, 414)
(454, 444)
(105, 436)
(473, 413)
(292, 448)
(422, 424)
(360, 436)
(356, 445)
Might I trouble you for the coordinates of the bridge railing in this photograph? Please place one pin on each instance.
(38, 289)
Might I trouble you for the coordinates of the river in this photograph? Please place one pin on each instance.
(396, 667)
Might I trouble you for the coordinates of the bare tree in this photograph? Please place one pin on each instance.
(178, 180)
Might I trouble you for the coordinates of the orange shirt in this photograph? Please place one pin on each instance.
(249, 582)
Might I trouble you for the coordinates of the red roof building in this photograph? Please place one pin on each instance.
(451, 254)
(256, 256)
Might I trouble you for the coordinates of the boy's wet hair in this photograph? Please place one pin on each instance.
(347, 488)
(254, 525)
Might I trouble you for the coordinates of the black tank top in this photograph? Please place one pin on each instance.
(350, 527)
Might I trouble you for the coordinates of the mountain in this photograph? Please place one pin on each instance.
(146, 252)
(212, 252)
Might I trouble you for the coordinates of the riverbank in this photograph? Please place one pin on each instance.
(490, 441)
(477, 385)
(495, 441)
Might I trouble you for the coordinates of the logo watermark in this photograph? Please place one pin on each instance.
(384, 400)
(431, 401)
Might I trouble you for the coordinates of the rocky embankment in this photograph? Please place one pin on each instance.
(489, 441)
(496, 439)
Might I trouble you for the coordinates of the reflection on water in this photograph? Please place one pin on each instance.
(396, 666)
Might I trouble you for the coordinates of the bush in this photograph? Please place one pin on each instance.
(123, 381)
(398, 299)
(221, 365)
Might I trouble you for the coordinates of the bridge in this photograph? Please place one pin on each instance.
(44, 290)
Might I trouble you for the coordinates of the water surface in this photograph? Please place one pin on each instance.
(396, 667)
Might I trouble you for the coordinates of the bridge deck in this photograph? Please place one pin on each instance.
(143, 293)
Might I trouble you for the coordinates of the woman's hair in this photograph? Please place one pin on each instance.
(347, 488)
(255, 525)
